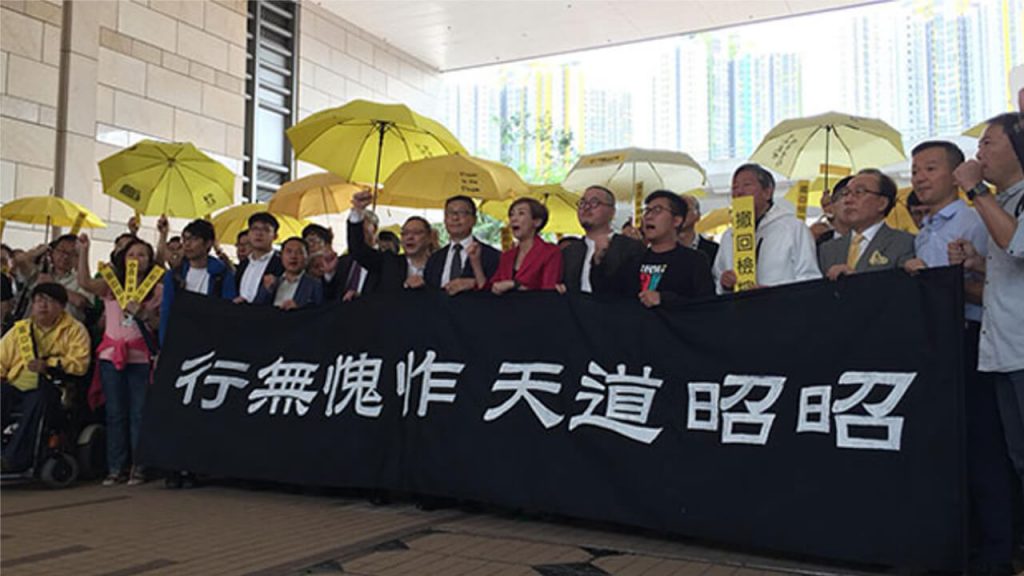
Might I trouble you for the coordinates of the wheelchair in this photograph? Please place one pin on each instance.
(69, 442)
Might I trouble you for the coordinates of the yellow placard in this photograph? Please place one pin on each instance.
(638, 204)
(154, 276)
(803, 188)
(131, 278)
(108, 275)
(77, 226)
(744, 243)
(23, 334)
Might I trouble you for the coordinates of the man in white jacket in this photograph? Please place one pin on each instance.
(785, 246)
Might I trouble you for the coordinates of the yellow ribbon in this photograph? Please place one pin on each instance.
(108, 275)
(154, 276)
(23, 334)
(131, 278)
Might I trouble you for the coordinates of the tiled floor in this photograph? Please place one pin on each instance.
(230, 529)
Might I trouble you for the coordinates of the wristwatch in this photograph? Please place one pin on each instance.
(979, 190)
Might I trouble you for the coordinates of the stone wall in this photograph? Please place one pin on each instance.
(166, 70)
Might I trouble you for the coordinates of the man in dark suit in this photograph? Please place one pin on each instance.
(870, 244)
(262, 260)
(688, 236)
(448, 268)
(394, 271)
(603, 262)
(294, 288)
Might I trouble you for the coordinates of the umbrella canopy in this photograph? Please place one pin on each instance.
(228, 223)
(170, 178)
(717, 218)
(977, 130)
(50, 210)
(323, 193)
(561, 205)
(365, 141)
(631, 173)
(427, 183)
(798, 147)
(621, 170)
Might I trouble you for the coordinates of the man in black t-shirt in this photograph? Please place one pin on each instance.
(670, 272)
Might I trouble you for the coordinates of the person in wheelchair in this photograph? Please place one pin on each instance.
(49, 345)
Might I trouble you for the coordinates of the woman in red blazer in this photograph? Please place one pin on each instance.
(532, 264)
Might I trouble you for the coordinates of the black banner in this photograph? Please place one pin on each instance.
(820, 418)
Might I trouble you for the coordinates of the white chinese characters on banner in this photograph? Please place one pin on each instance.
(738, 408)
(287, 385)
(358, 378)
(816, 408)
(197, 367)
(432, 388)
(752, 426)
(523, 388)
(627, 402)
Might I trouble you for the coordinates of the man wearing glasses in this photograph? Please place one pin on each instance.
(448, 268)
(602, 262)
(263, 260)
(871, 244)
(669, 271)
(55, 262)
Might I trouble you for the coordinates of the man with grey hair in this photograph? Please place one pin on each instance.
(785, 247)
(870, 245)
(688, 236)
(602, 262)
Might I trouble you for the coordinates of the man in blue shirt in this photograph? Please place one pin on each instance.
(949, 220)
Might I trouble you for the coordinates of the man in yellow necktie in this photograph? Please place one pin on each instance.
(871, 244)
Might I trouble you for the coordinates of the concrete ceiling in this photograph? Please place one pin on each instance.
(455, 34)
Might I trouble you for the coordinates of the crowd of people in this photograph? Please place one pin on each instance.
(661, 262)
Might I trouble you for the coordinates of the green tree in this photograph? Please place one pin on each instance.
(520, 133)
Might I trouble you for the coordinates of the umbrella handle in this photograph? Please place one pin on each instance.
(376, 175)
(828, 133)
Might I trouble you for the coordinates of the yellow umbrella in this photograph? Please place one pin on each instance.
(323, 193)
(427, 183)
(899, 218)
(561, 205)
(228, 223)
(51, 211)
(977, 130)
(631, 173)
(719, 217)
(621, 170)
(365, 141)
(798, 147)
(171, 178)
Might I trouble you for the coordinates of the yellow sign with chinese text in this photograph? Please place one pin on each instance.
(744, 244)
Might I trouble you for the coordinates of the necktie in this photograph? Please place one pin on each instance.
(854, 254)
(455, 270)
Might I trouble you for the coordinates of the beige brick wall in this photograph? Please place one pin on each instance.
(29, 69)
(340, 62)
(167, 70)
